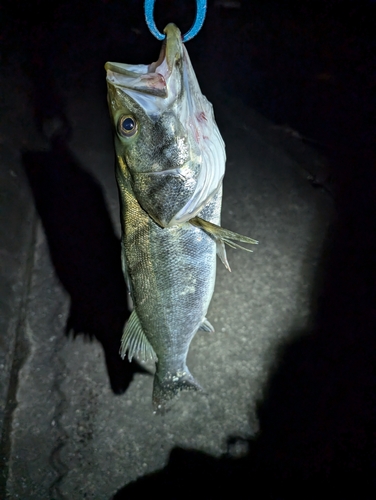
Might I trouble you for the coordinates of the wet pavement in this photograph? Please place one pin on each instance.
(289, 401)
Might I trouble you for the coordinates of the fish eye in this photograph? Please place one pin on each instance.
(127, 126)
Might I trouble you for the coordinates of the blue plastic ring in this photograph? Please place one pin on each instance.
(197, 25)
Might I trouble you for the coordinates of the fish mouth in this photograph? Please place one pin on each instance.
(153, 78)
(171, 52)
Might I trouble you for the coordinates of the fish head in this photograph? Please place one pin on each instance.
(166, 139)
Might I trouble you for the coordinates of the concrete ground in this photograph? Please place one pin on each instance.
(288, 408)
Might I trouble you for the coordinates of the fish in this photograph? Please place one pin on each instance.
(170, 163)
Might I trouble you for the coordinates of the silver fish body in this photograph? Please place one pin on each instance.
(170, 166)
(171, 275)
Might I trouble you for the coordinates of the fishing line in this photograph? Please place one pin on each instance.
(197, 25)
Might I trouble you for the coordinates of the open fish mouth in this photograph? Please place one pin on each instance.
(158, 78)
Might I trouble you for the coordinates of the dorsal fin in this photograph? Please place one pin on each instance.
(134, 341)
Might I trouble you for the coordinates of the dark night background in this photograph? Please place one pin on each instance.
(308, 64)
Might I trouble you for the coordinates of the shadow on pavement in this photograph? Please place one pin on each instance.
(84, 251)
(83, 246)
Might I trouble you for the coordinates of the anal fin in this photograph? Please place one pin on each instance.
(134, 341)
(206, 326)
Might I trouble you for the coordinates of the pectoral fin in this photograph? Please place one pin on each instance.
(221, 252)
(134, 341)
(222, 236)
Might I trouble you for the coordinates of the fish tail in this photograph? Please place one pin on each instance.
(167, 388)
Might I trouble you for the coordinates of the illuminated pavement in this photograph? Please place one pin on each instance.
(68, 420)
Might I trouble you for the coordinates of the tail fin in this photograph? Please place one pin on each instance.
(167, 388)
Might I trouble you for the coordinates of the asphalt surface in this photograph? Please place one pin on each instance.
(289, 404)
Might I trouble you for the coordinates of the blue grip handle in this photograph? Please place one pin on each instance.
(197, 25)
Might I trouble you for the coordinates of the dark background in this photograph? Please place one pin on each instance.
(308, 64)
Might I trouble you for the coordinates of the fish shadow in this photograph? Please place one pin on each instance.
(318, 412)
(83, 246)
(84, 249)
